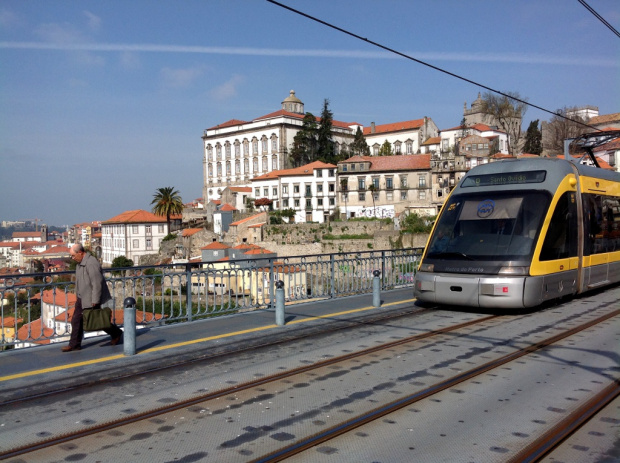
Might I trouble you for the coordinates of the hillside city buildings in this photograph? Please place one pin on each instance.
(245, 161)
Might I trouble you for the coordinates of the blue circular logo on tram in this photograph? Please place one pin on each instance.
(486, 208)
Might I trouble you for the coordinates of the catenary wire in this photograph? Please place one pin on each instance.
(599, 17)
(436, 68)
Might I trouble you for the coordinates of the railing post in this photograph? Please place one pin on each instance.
(272, 279)
(280, 303)
(188, 301)
(129, 325)
(332, 283)
(376, 289)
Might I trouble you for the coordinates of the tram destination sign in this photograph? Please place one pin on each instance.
(506, 178)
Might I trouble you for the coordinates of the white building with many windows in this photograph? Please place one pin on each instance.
(406, 137)
(237, 151)
(132, 234)
(310, 190)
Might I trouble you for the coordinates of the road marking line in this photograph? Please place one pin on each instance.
(187, 343)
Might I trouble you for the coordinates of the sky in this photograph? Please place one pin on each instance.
(102, 103)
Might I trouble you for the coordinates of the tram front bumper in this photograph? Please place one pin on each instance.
(473, 291)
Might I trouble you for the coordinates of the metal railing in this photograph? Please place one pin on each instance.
(36, 308)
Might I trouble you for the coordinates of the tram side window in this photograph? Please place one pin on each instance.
(561, 239)
(602, 224)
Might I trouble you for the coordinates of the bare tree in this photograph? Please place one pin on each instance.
(508, 112)
(561, 128)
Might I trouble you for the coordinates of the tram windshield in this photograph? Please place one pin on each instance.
(489, 226)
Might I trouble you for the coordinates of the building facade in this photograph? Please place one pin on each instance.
(132, 234)
(309, 190)
(383, 186)
(237, 151)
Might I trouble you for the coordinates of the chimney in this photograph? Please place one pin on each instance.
(372, 127)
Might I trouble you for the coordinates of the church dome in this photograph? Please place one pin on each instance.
(293, 104)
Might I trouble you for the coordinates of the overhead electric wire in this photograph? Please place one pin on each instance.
(599, 17)
(436, 68)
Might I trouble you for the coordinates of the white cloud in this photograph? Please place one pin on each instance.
(94, 21)
(180, 77)
(228, 89)
(130, 60)
(591, 61)
(60, 34)
(8, 18)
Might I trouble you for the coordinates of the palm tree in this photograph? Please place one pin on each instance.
(167, 201)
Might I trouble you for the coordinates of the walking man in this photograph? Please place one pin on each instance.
(92, 291)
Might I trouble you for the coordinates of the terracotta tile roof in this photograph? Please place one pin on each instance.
(390, 163)
(37, 329)
(254, 252)
(136, 216)
(27, 234)
(394, 127)
(258, 225)
(230, 123)
(239, 222)
(241, 189)
(58, 298)
(605, 118)
(10, 322)
(217, 202)
(57, 250)
(282, 112)
(307, 169)
(215, 245)
(190, 231)
(227, 207)
(247, 246)
(432, 141)
(30, 252)
(612, 145)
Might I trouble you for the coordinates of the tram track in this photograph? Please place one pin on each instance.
(214, 395)
(263, 342)
(341, 428)
(537, 448)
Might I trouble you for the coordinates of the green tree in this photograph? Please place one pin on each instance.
(167, 201)
(325, 141)
(305, 142)
(508, 112)
(386, 149)
(122, 262)
(359, 147)
(533, 139)
(414, 223)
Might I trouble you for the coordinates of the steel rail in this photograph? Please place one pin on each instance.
(364, 319)
(397, 405)
(552, 439)
(22, 450)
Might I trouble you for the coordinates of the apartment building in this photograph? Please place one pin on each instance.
(132, 234)
(383, 186)
(237, 151)
(309, 190)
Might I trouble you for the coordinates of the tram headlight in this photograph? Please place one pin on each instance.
(426, 267)
(514, 271)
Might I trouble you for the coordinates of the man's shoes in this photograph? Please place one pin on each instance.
(69, 348)
(115, 341)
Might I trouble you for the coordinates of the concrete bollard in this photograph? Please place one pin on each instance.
(376, 288)
(280, 303)
(129, 326)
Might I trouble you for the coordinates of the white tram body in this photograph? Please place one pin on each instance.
(517, 233)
